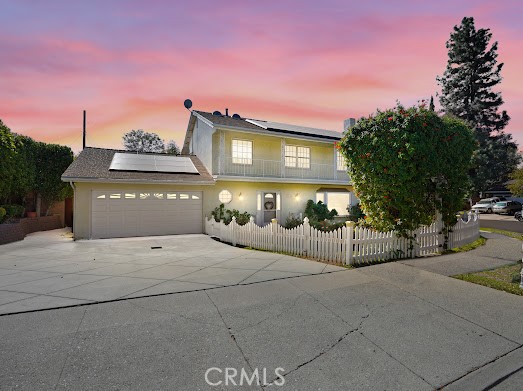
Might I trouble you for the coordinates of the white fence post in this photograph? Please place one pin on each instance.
(274, 226)
(348, 241)
(251, 233)
(306, 237)
(232, 225)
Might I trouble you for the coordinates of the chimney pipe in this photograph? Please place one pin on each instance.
(226, 112)
(348, 123)
(83, 143)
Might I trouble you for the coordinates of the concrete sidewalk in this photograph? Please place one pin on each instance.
(499, 251)
(389, 326)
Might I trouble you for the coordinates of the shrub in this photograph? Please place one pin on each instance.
(220, 213)
(2, 214)
(318, 211)
(355, 213)
(13, 211)
(326, 225)
(292, 221)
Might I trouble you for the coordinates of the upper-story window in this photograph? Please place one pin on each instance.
(242, 151)
(341, 163)
(299, 157)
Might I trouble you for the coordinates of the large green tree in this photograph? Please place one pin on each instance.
(50, 161)
(516, 185)
(408, 164)
(7, 161)
(468, 92)
(140, 141)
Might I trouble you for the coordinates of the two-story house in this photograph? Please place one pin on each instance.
(266, 168)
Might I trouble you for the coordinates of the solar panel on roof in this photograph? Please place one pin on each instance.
(294, 128)
(152, 163)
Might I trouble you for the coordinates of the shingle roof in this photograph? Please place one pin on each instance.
(228, 121)
(93, 165)
(254, 124)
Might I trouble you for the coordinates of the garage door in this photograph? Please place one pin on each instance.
(136, 213)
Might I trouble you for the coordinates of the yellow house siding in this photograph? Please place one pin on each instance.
(289, 202)
(294, 196)
(269, 147)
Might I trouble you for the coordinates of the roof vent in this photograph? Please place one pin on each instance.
(237, 116)
(216, 113)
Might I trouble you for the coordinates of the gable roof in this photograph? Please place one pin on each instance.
(92, 165)
(272, 126)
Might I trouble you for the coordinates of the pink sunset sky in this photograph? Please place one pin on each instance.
(131, 64)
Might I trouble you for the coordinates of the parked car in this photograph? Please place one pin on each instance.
(485, 205)
(508, 207)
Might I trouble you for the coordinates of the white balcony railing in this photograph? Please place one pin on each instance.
(276, 169)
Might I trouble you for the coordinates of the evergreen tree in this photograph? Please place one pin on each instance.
(431, 105)
(467, 92)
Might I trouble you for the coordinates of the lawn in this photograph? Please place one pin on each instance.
(505, 278)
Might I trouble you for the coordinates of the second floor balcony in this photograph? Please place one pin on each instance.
(260, 168)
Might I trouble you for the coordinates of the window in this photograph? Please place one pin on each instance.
(195, 197)
(101, 196)
(225, 196)
(158, 196)
(184, 196)
(115, 196)
(341, 163)
(241, 152)
(130, 195)
(339, 200)
(144, 196)
(299, 157)
(171, 196)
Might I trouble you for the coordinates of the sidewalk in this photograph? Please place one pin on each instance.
(499, 251)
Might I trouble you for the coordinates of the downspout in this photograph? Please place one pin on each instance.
(74, 206)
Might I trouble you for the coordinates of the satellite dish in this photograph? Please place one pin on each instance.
(237, 116)
(216, 113)
(187, 103)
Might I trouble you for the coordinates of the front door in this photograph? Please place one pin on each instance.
(268, 207)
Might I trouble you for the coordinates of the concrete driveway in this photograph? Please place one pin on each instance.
(49, 270)
(386, 327)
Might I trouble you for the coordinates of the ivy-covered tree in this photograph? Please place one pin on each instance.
(408, 164)
(140, 141)
(468, 93)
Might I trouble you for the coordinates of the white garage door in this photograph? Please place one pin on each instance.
(137, 213)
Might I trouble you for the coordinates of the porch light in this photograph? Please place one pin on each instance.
(240, 196)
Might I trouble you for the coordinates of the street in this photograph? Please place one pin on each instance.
(507, 223)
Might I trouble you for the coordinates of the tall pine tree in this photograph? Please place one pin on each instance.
(468, 93)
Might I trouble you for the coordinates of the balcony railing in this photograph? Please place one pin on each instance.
(276, 169)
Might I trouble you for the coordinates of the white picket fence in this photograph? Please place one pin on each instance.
(347, 245)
